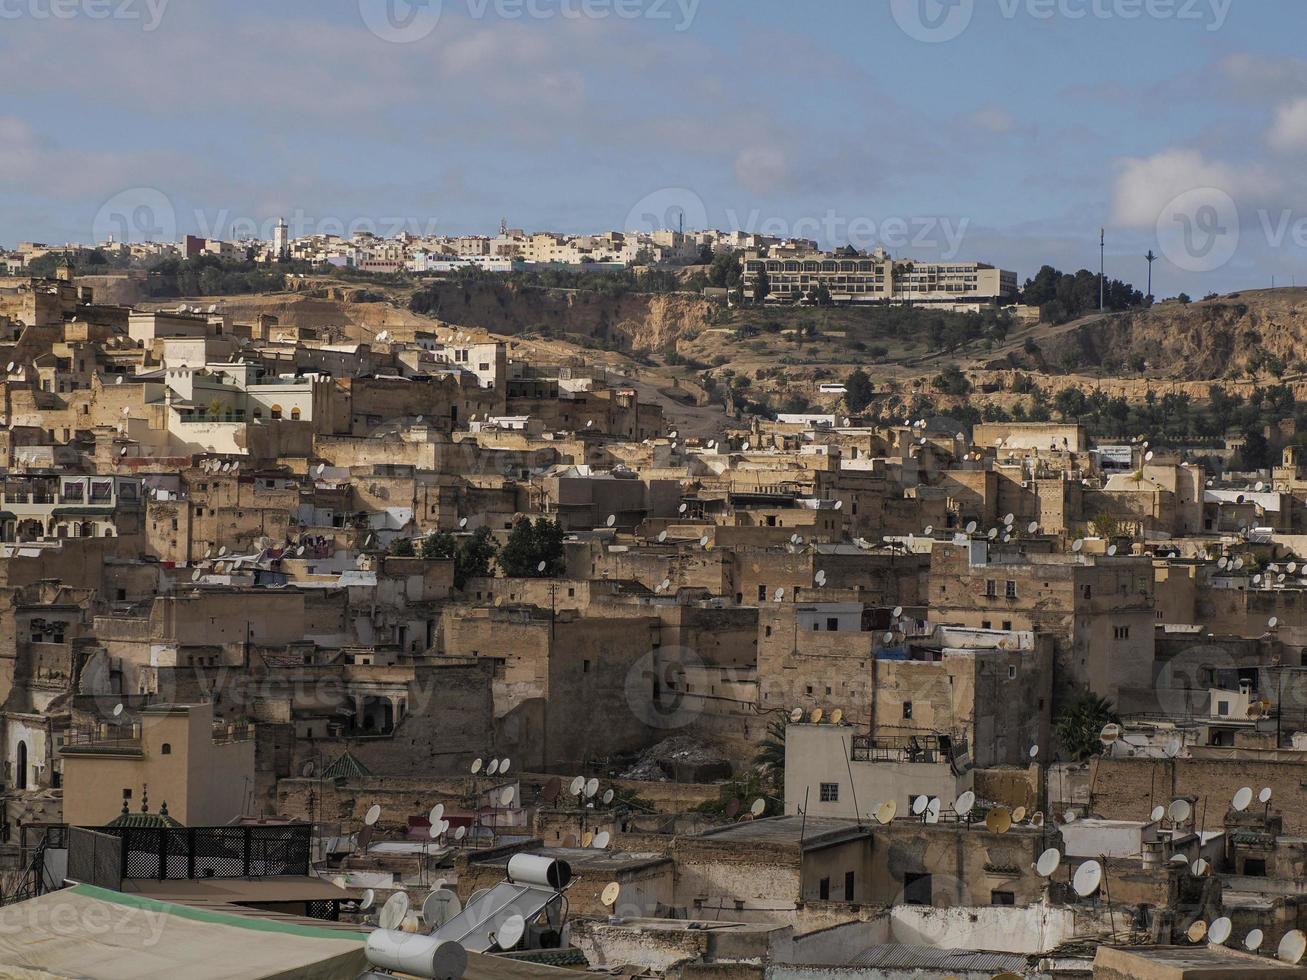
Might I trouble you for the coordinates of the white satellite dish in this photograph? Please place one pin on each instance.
(1111, 551)
(758, 807)
(601, 840)
(681, 509)
(1158, 813)
(612, 520)
(608, 797)
(1273, 622)
(1218, 933)
(662, 536)
(118, 710)
(971, 527)
(1048, 862)
(1200, 868)
(462, 523)
(435, 814)
(608, 897)
(919, 805)
(1253, 941)
(1077, 545)
(369, 896)
(504, 763)
(932, 810)
(222, 551)
(508, 935)
(540, 567)
(1292, 947)
(476, 766)
(373, 814)
(493, 767)
(930, 529)
(1032, 527)
(964, 803)
(577, 786)
(195, 575)
(440, 906)
(1242, 798)
(393, 912)
(460, 833)
(897, 612)
(1179, 811)
(1087, 878)
(1265, 795)
(591, 787)
(703, 541)
(778, 595)
(506, 796)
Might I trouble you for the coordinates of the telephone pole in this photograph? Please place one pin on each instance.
(1102, 269)
(1151, 259)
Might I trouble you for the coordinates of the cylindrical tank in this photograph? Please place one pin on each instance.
(420, 956)
(532, 869)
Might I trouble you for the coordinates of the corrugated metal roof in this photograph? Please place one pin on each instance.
(897, 955)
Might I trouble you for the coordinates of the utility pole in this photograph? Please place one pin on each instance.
(1102, 269)
(1151, 259)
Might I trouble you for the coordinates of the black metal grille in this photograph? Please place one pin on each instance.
(327, 908)
(213, 852)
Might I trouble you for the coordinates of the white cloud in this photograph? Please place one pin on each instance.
(1146, 186)
(993, 119)
(1288, 132)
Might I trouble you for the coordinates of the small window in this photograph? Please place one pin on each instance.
(165, 749)
(762, 593)
(1222, 707)
(823, 890)
(848, 886)
(832, 624)
(1011, 672)
(1007, 626)
(1011, 590)
(1002, 898)
(907, 709)
(991, 589)
(585, 666)
(1121, 632)
(830, 792)
(916, 889)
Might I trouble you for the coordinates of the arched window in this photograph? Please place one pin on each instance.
(276, 411)
(165, 749)
(20, 767)
(295, 413)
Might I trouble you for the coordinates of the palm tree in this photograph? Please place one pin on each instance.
(770, 759)
(1080, 722)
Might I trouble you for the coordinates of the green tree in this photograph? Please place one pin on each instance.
(761, 286)
(531, 545)
(770, 758)
(472, 553)
(951, 381)
(401, 548)
(1079, 724)
(857, 391)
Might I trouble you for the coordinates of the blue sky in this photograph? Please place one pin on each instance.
(1002, 130)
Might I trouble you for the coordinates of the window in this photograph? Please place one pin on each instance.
(1088, 591)
(832, 624)
(1011, 672)
(916, 889)
(823, 890)
(1002, 898)
(830, 792)
(1120, 632)
(165, 749)
(907, 709)
(991, 589)
(1222, 707)
(585, 666)
(1254, 867)
(767, 631)
(1007, 626)
(1010, 590)
(762, 593)
(848, 886)
(985, 624)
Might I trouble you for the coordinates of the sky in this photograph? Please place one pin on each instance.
(1006, 131)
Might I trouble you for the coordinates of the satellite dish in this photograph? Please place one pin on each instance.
(1222, 562)
(1087, 878)
(510, 933)
(577, 786)
(897, 612)
(1265, 795)
(1038, 819)
(118, 710)
(1110, 733)
(1200, 868)
(888, 638)
(462, 522)
(476, 766)
(612, 519)
(1019, 814)
(703, 541)
(1273, 622)
(964, 803)
(662, 536)
(504, 764)
(540, 567)
(608, 897)
(1219, 931)
(369, 896)
(1158, 813)
(1111, 551)
(1242, 798)
(1292, 947)
(587, 839)
(1069, 816)
(1048, 862)
(1034, 751)
(373, 815)
(393, 912)
(1253, 941)
(759, 807)
(1179, 811)
(440, 906)
(971, 527)
(919, 805)
(796, 715)
(1077, 545)
(435, 814)
(1148, 456)
(1032, 527)
(998, 820)
(681, 509)
(778, 595)
(299, 552)
(506, 796)
(493, 767)
(992, 533)
(591, 787)
(222, 551)
(932, 810)
(930, 529)
(460, 833)
(601, 840)
(837, 716)
(1196, 931)
(885, 812)
(608, 797)
(816, 716)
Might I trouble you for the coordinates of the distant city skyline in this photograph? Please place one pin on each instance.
(845, 121)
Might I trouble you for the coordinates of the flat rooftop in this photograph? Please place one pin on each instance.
(586, 859)
(1188, 963)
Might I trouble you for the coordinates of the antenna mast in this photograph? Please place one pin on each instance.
(1102, 268)
(1151, 259)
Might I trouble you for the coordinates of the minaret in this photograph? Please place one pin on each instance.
(281, 239)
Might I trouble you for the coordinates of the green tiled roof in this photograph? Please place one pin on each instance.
(346, 767)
